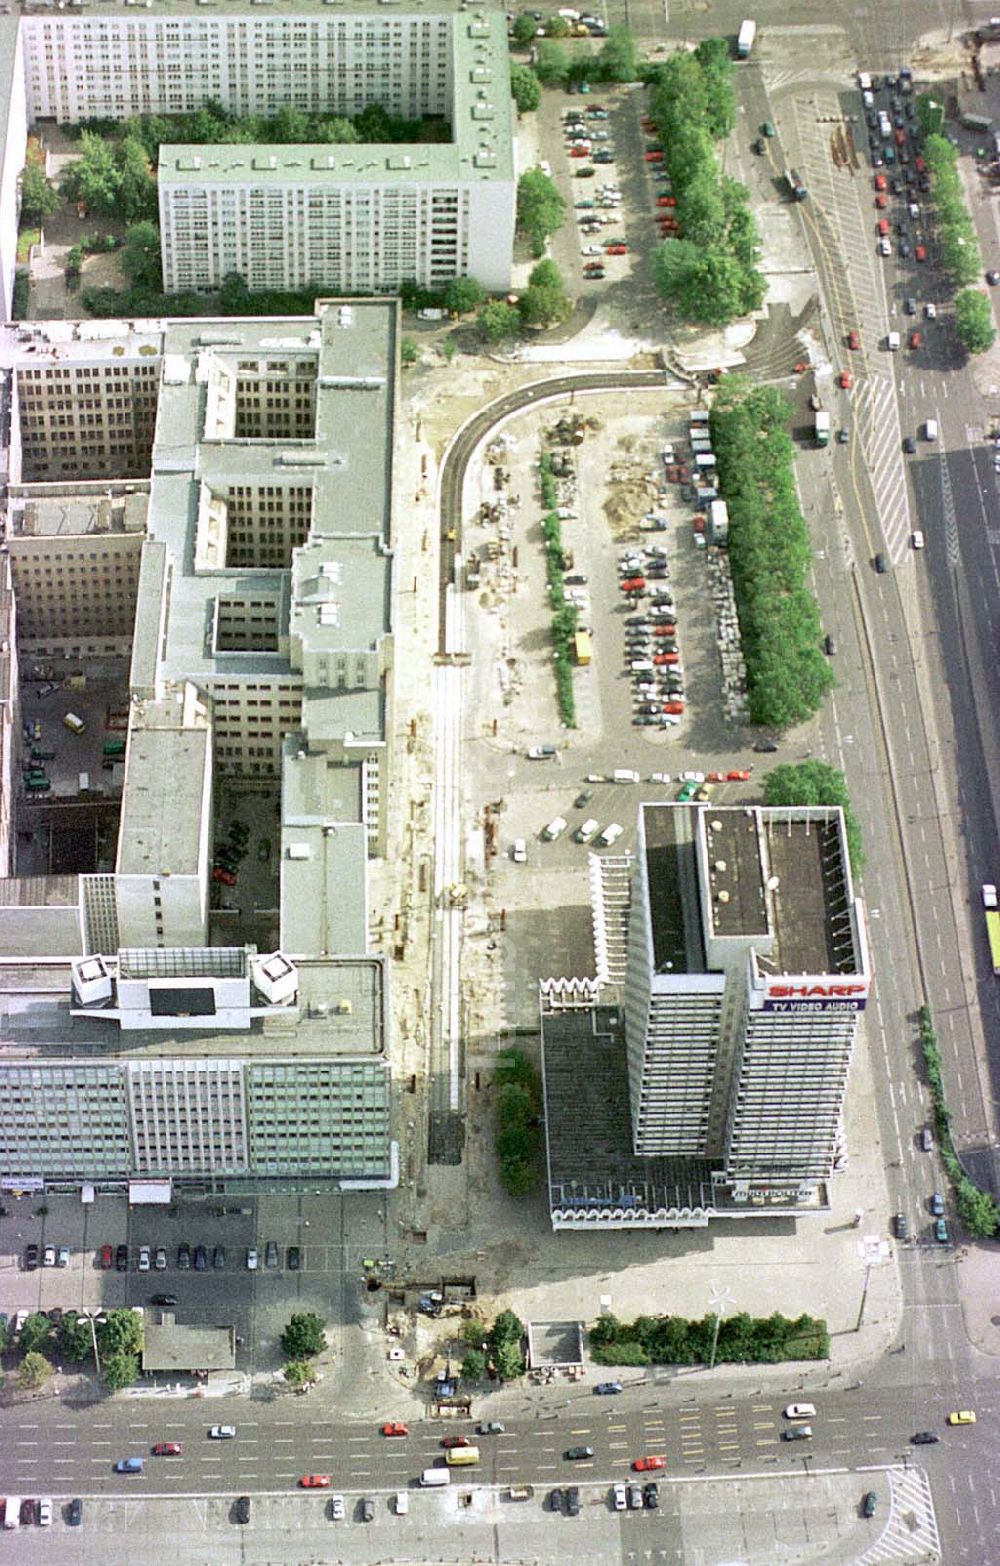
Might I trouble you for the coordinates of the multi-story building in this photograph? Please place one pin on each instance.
(747, 971)
(334, 216)
(261, 659)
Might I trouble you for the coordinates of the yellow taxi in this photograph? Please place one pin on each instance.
(964, 1417)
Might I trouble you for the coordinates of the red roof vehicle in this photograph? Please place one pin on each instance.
(393, 1427)
(845, 380)
(645, 1465)
(738, 775)
(880, 182)
(616, 250)
(667, 657)
(853, 340)
(107, 1257)
(920, 254)
(915, 339)
(315, 1481)
(449, 1441)
(881, 202)
(169, 1449)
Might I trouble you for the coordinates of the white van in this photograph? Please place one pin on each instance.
(627, 774)
(519, 851)
(892, 341)
(584, 833)
(555, 828)
(402, 1503)
(12, 1512)
(612, 832)
(930, 429)
(432, 1477)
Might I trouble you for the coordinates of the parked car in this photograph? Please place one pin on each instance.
(314, 1482)
(337, 1509)
(49, 1256)
(200, 1258)
(222, 1433)
(271, 1254)
(106, 1259)
(121, 1258)
(163, 1299)
(242, 1508)
(578, 1454)
(74, 1513)
(251, 1258)
(183, 1257)
(160, 1258)
(293, 1258)
(145, 1258)
(869, 1503)
(31, 1257)
(643, 1465)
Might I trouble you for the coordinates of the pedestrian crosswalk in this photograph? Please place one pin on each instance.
(909, 1532)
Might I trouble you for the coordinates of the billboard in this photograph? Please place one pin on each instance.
(810, 995)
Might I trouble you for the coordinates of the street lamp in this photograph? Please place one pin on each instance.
(91, 1316)
(718, 1300)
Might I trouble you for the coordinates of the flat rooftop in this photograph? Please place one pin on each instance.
(161, 809)
(168, 1346)
(809, 887)
(40, 515)
(671, 875)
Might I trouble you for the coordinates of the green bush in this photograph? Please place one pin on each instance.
(770, 555)
(977, 1209)
(959, 246)
(518, 1138)
(675, 1340)
(564, 615)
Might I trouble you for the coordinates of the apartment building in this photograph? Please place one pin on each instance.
(335, 217)
(90, 414)
(718, 1088)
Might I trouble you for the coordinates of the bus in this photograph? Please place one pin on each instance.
(993, 932)
(461, 1456)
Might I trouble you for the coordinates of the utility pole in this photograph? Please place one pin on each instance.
(718, 1300)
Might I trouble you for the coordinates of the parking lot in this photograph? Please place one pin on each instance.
(333, 1235)
(618, 487)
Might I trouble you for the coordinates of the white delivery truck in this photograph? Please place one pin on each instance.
(625, 775)
(744, 43)
(431, 1478)
(555, 828)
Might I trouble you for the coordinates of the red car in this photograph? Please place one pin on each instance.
(169, 1449)
(738, 775)
(225, 876)
(675, 707)
(716, 777)
(920, 253)
(853, 340)
(881, 202)
(645, 1465)
(915, 339)
(394, 1428)
(449, 1441)
(616, 250)
(653, 156)
(107, 1258)
(667, 657)
(883, 227)
(665, 628)
(633, 584)
(315, 1482)
(881, 183)
(920, 165)
(579, 152)
(844, 380)
(900, 138)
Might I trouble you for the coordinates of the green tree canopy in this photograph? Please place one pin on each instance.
(551, 62)
(544, 301)
(525, 89)
(712, 55)
(94, 178)
(37, 1333)
(137, 185)
(473, 1365)
(498, 321)
(140, 257)
(409, 352)
(300, 1373)
(463, 295)
(120, 1334)
(523, 31)
(120, 1371)
(540, 209)
(33, 1372)
(617, 59)
(974, 321)
(39, 197)
(75, 1340)
(304, 1337)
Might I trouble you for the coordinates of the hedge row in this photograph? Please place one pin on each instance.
(976, 1208)
(563, 612)
(676, 1340)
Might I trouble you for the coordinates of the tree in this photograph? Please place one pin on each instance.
(557, 27)
(463, 295)
(712, 54)
(977, 1210)
(304, 1337)
(540, 209)
(507, 1328)
(551, 63)
(336, 130)
(525, 89)
(618, 60)
(473, 1333)
(120, 1371)
(94, 178)
(498, 322)
(544, 301)
(234, 294)
(140, 257)
(39, 197)
(120, 1334)
(5, 1336)
(974, 321)
(300, 1373)
(409, 352)
(75, 1340)
(509, 1362)
(702, 284)
(523, 31)
(36, 1333)
(473, 1365)
(137, 188)
(33, 1372)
